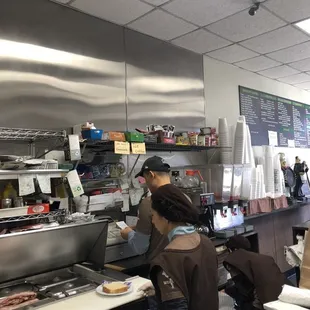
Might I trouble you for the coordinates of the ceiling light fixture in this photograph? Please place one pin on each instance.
(304, 25)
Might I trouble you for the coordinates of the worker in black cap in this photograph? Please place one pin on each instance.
(145, 238)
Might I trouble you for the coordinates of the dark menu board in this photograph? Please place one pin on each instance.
(269, 116)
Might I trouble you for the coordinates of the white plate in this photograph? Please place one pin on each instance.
(100, 291)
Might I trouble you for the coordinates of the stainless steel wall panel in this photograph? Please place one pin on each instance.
(164, 84)
(59, 67)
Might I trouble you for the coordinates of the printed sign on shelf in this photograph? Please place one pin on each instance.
(121, 148)
(138, 148)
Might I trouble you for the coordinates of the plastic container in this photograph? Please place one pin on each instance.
(134, 136)
(176, 179)
(151, 138)
(92, 134)
(219, 180)
(191, 180)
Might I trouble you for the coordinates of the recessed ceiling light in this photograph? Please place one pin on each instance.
(304, 25)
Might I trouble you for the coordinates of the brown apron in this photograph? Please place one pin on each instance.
(193, 271)
(261, 270)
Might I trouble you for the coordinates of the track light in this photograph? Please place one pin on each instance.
(254, 8)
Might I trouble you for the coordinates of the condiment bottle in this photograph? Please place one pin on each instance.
(9, 192)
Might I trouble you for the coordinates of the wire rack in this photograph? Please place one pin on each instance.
(161, 147)
(58, 216)
(29, 135)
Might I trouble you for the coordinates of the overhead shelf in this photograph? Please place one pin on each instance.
(13, 174)
(159, 147)
(29, 135)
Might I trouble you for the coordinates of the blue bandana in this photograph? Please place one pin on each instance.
(181, 230)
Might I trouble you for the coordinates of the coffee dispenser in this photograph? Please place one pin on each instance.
(206, 214)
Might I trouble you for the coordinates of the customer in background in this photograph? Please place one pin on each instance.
(300, 168)
(255, 278)
(145, 238)
(184, 274)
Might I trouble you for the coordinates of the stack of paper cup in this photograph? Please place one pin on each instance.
(232, 130)
(239, 143)
(241, 118)
(269, 170)
(261, 161)
(224, 141)
(246, 182)
(253, 186)
(249, 146)
(263, 187)
(278, 190)
(283, 183)
(246, 157)
(261, 183)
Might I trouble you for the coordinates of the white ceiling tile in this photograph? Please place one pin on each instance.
(275, 40)
(156, 2)
(117, 11)
(204, 12)
(257, 64)
(305, 85)
(302, 65)
(201, 41)
(278, 72)
(290, 10)
(242, 26)
(293, 53)
(295, 79)
(161, 25)
(232, 53)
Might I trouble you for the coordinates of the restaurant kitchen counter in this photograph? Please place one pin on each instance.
(275, 230)
(94, 301)
(290, 207)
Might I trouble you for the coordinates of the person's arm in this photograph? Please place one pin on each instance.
(172, 297)
(139, 240)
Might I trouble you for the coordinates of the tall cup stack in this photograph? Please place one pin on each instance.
(232, 131)
(250, 149)
(269, 170)
(239, 143)
(224, 141)
(278, 189)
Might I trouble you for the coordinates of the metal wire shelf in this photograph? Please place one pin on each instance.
(53, 215)
(29, 135)
(161, 147)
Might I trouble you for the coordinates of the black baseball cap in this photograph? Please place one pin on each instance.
(154, 163)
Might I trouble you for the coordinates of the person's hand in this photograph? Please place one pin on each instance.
(147, 289)
(125, 232)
